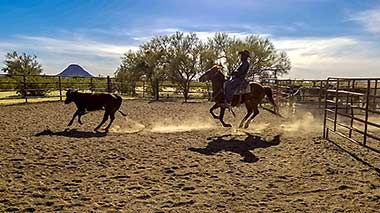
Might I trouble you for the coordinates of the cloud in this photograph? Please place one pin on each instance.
(55, 54)
(369, 19)
(78, 46)
(321, 57)
(311, 57)
(336, 56)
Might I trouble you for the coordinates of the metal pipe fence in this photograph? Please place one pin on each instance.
(352, 110)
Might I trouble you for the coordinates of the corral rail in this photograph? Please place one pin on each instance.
(351, 110)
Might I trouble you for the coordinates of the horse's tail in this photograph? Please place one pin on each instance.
(269, 94)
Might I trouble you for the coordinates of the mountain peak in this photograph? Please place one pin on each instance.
(75, 70)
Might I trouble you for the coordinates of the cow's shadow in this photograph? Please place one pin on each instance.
(241, 147)
(73, 133)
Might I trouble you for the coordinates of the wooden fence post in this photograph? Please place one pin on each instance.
(157, 90)
(91, 85)
(109, 84)
(25, 88)
(143, 89)
(121, 86)
(60, 88)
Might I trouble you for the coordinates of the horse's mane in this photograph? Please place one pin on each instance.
(218, 68)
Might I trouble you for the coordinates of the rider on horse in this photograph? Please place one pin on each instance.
(238, 77)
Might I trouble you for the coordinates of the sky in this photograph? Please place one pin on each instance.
(322, 38)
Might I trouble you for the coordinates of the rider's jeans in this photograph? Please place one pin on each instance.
(231, 86)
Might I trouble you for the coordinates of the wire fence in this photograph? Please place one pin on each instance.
(36, 88)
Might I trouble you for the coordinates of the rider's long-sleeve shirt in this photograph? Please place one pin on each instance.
(242, 70)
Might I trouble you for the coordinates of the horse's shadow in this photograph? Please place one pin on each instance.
(241, 147)
(72, 133)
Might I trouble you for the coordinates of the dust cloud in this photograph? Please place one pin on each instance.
(191, 124)
(301, 123)
(298, 123)
(127, 126)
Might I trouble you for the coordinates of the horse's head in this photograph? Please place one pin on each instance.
(210, 74)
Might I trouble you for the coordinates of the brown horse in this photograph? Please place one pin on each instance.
(251, 100)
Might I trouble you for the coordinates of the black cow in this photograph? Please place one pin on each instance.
(86, 102)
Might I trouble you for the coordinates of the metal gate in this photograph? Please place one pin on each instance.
(352, 110)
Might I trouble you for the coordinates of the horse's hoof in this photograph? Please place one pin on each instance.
(227, 125)
(246, 126)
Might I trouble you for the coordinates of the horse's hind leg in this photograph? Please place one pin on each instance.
(255, 113)
(216, 106)
(249, 113)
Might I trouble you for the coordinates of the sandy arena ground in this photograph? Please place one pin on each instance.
(172, 157)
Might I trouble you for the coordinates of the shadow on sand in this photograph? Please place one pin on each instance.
(73, 133)
(242, 147)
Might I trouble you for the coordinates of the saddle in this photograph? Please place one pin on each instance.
(244, 88)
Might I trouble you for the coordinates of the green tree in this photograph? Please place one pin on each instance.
(130, 71)
(181, 57)
(184, 61)
(24, 64)
(154, 54)
(21, 64)
(264, 60)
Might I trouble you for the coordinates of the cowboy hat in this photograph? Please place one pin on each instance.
(245, 52)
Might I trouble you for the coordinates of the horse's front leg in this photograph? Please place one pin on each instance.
(216, 106)
(221, 116)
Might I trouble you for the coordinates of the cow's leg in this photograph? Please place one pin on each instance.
(75, 114)
(80, 115)
(105, 117)
(216, 106)
(112, 116)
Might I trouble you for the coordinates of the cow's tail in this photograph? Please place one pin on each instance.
(120, 100)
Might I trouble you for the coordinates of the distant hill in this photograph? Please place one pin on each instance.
(74, 70)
